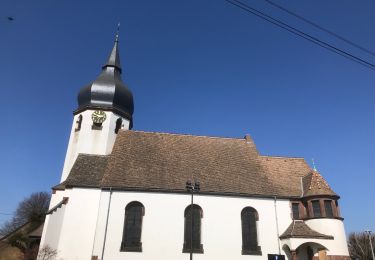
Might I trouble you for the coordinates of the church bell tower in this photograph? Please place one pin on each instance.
(104, 107)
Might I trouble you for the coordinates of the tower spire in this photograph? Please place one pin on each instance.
(114, 57)
(117, 32)
(105, 97)
(108, 91)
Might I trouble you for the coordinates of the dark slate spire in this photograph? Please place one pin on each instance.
(108, 92)
(114, 57)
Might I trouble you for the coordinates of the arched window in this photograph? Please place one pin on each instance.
(192, 240)
(249, 217)
(118, 124)
(78, 123)
(131, 236)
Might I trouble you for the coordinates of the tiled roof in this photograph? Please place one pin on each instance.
(315, 184)
(164, 162)
(299, 229)
(37, 233)
(286, 173)
(18, 229)
(87, 171)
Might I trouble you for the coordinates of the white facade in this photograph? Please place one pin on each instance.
(88, 223)
(91, 141)
(81, 226)
(334, 227)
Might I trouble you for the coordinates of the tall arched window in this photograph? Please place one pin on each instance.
(249, 218)
(192, 240)
(131, 236)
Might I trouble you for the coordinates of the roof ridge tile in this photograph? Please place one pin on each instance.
(181, 134)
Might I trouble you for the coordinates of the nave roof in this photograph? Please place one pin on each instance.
(150, 161)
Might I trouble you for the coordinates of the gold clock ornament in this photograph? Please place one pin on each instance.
(98, 116)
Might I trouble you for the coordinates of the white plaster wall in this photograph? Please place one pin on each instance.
(73, 237)
(77, 236)
(53, 223)
(332, 227)
(82, 230)
(163, 226)
(335, 228)
(90, 141)
(54, 226)
(303, 243)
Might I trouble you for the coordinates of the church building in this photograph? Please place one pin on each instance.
(136, 195)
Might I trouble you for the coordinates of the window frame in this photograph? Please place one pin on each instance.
(127, 245)
(337, 209)
(197, 246)
(118, 125)
(316, 202)
(247, 234)
(332, 213)
(78, 123)
(298, 204)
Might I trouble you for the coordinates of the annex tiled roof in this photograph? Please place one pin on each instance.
(37, 233)
(164, 162)
(286, 173)
(315, 184)
(299, 229)
(87, 171)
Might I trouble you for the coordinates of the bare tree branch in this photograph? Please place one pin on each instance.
(359, 245)
(31, 209)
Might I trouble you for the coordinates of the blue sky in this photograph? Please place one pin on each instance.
(200, 67)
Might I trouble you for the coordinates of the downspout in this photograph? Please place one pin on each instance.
(277, 225)
(96, 226)
(106, 222)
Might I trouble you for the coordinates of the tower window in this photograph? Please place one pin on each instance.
(131, 237)
(118, 124)
(328, 208)
(337, 209)
(249, 218)
(295, 210)
(316, 208)
(78, 123)
(305, 210)
(192, 241)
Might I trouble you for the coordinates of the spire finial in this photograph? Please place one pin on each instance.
(117, 32)
(114, 57)
(314, 166)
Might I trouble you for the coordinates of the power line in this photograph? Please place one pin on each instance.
(1, 213)
(301, 34)
(321, 28)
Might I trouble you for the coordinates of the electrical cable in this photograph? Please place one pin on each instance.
(301, 34)
(321, 28)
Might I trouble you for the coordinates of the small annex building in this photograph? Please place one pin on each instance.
(123, 193)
